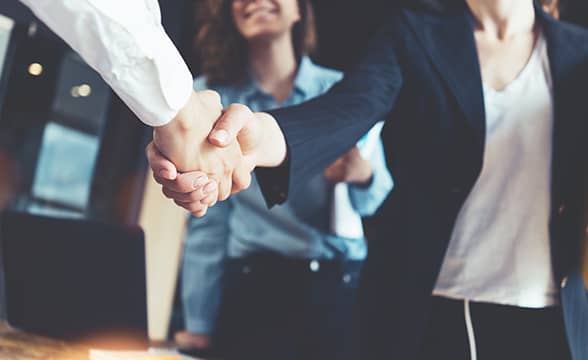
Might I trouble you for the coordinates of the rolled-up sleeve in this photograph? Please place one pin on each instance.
(124, 41)
(367, 200)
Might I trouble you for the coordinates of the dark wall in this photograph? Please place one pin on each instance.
(345, 26)
(15, 10)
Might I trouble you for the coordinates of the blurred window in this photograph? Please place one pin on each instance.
(6, 25)
(53, 118)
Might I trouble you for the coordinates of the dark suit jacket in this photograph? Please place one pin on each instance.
(422, 73)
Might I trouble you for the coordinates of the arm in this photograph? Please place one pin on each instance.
(367, 200)
(203, 268)
(346, 112)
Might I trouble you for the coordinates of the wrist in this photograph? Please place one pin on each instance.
(181, 139)
(184, 121)
(272, 150)
(364, 177)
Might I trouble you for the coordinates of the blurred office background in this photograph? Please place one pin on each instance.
(69, 148)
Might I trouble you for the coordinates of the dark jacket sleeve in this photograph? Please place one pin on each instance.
(319, 131)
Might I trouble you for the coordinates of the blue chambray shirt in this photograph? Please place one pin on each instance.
(244, 225)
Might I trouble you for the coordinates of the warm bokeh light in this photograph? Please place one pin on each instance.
(115, 339)
(83, 90)
(35, 69)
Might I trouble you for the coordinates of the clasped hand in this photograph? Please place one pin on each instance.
(207, 153)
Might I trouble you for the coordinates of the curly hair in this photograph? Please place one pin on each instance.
(222, 49)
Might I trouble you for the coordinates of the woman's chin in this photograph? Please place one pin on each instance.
(264, 35)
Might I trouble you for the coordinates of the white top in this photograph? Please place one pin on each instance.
(124, 41)
(500, 247)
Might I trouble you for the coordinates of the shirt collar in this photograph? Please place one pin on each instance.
(304, 83)
(305, 80)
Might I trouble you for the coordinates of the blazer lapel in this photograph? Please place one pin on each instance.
(565, 59)
(449, 41)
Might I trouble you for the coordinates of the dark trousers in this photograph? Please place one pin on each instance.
(500, 332)
(277, 308)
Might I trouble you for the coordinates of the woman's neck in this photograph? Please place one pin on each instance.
(274, 66)
(503, 18)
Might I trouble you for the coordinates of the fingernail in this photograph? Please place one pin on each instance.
(221, 136)
(165, 174)
(210, 188)
(199, 181)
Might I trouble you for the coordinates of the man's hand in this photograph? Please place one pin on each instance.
(350, 168)
(193, 191)
(184, 142)
(260, 141)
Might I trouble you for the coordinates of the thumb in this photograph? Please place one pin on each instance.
(160, 165)
(230, 124)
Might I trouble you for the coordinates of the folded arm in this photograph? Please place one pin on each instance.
(367, 199)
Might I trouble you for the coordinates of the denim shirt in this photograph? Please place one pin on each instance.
(244, 225)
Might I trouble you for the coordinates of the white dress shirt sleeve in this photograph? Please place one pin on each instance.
(124, 41)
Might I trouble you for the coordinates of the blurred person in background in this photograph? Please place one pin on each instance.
(279, 283)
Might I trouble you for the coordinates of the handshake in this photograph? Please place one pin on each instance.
(207, 153)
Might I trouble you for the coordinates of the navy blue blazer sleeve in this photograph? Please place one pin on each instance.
(319, 131)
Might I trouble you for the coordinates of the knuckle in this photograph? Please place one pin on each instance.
(211, 97)
(243, 182)
(200, 213)
(194, 207)
(184, 186)
(224, 194)
(195, 196)
(238, 109)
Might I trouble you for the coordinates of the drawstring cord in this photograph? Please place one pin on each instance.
(470, 330)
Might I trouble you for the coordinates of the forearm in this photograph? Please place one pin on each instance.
(321, 130)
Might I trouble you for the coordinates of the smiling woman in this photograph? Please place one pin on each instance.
(223, 49)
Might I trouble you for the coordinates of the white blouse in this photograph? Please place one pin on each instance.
(500, 247)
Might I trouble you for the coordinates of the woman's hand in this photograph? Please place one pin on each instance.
(350, 168)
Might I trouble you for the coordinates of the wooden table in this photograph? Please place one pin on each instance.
(15, 345)
(18, 345)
